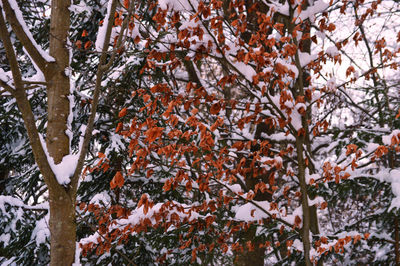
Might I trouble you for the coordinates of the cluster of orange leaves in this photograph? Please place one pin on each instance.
(330, 173)
(157, 138)
(338, 244)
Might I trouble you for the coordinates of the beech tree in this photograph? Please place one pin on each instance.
(255, 124)
(220, 135)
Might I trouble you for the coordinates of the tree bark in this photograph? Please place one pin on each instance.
(62, 203)
(58, 82)
(304, 200)
(62, 228)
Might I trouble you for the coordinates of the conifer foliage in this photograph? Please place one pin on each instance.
(199, 132)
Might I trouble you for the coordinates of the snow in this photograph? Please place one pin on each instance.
(395, 180)
(101, 35)
(65, 169)
(101, 198)
(5, 238)
(41, 233)
(39, 76)
(331, 84)
(10, 262)
(236, 188)
(313, 176)
(77, 261)
(245, 211)
(318, 200)
(281, 137)
(76, 8)
(387, 140)
(371, 147)
(309, 13)
(180, 5)
(296, 121)
(246, 70)
(306, 58)
(279, 8)
(19, 203)
(332, 51)
(249, 212)
(6, 77)
(71, 99)
(298, 245)
(21, 21)
(138, 215)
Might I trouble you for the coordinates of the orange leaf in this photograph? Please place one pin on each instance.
(356, 239)
(126, 4)
(122, 113)
(351, 148)
(345, 175)
(141, 153)
(82, 206)
(87, 45)
(297, 221)
(188, 186)
(84, 33)
(281, 69)
(350, 70)
(153, 133)
(137, 39)
(78, 44)
(398, 114)
(215, 108)
(167, 185)
(239, 145)
(117, 181)
(119, 127)
(105, 167)
(146, 98)
(143, 200)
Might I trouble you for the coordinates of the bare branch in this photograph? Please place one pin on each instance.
(34, 82)
(7, 88)
(25, 37)
(24, 106)
(96, 95)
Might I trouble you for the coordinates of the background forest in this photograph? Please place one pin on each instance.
(187, 132)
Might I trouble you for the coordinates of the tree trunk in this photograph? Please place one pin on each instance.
(250, 258)
(62, 228)
(62, 203)
(58, 88)
(305, 230)
(62, 198)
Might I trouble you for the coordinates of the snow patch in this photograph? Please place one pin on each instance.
(395, 180)
(387, 140)
(101, 35)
